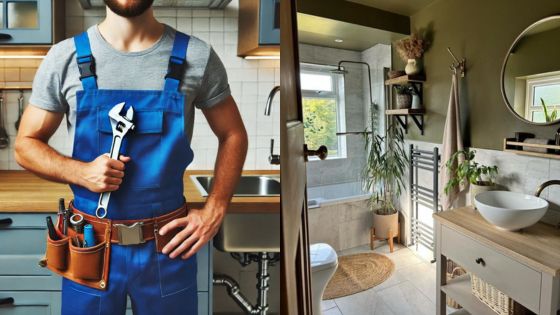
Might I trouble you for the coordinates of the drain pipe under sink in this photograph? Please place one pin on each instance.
(263, 277)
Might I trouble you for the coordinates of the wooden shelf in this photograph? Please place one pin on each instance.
(406, 111)
(402, 115)
(459, 289)
(405, 79)
(510, 145)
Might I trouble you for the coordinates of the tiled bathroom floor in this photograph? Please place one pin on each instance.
(411, 289)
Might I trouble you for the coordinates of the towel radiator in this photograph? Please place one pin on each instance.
(423, 198)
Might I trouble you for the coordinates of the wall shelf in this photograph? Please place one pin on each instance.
(405, 79)
(401, 115)
(510, 145)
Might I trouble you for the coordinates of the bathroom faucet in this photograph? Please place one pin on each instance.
(271, 95)
(273, 159)
(546, 184)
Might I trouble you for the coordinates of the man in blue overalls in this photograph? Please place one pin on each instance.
(163, 74)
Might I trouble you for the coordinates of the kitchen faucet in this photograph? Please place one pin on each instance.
(271, 96)
(273, 159)
(546, 184)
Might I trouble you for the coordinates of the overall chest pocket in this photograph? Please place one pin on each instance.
(143, 145)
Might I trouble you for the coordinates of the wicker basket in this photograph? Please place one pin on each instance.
(453, 271)
(495, 299)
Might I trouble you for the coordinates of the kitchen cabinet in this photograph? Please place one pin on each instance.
(36, 290)
(259, 28)
(523, 265)
(31, 22)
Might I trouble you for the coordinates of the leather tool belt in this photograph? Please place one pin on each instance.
(89, 266)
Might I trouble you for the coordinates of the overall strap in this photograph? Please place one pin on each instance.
(86, 62)
(177, 62)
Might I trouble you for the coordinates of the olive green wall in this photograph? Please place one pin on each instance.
(482, 31)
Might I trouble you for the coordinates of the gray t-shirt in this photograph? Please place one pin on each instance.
(57, 80)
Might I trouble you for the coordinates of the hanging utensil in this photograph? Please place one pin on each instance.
(4, 138)
(20, 109)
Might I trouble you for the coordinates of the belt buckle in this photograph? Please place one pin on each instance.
(130, 234)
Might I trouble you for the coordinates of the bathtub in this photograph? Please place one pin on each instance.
(335, 194)
(339, 215)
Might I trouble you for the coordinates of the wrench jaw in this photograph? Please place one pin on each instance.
(119, 123)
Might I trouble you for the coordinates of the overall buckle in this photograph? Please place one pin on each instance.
(130, 234)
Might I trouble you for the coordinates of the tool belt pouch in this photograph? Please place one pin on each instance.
(88, 266)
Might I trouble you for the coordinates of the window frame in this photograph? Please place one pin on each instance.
(533, 82)
(337, 94)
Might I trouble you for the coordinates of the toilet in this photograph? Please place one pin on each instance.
(324, 261)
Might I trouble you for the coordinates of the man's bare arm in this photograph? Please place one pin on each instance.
(33, 153)
(201, 225)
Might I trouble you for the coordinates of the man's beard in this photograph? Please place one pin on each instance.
(131, 8)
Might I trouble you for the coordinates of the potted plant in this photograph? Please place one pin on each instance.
(549, 117)
(383, 174)
(411, 50)
(480, 177)
(404, 96)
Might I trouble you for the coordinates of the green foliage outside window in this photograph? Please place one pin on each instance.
(320, 119)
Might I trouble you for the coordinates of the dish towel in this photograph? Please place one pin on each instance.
(452, 142)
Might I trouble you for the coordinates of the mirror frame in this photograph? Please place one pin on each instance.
(502, 75)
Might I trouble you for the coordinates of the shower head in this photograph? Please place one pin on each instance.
(339, 70)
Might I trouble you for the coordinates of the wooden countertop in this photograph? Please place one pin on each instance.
(22, 191)
(537, 246)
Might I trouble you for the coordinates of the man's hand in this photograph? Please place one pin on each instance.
(199, 227)
(103, 174)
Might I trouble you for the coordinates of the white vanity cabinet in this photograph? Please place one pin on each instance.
(524, 265)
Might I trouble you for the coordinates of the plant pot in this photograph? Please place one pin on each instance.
(416, 102)
(404, 101)
(383, 223)
(413, 66)
(478, 188)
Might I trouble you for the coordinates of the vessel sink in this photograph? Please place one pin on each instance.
(510, 210)
(248, 186)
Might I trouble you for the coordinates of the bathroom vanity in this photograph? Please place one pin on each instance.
(524, 265)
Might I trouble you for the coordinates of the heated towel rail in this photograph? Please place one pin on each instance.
(423, 196)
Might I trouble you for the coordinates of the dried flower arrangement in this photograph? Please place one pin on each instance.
(412, 47)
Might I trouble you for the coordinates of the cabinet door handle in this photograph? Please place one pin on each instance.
(4, 36)
(480, 261)
(5, 222)
(7, 301)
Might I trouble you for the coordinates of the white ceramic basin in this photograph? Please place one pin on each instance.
(510, 210)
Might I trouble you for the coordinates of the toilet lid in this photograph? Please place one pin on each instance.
(322, 256)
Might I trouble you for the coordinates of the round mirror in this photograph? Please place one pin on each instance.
(531, 73)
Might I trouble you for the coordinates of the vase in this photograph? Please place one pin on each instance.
(385, 225)
(413, 66)
(416, 102)
(404, 101)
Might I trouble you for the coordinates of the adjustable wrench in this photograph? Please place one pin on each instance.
(120, 125)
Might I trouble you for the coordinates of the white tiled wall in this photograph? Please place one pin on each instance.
(250, 80)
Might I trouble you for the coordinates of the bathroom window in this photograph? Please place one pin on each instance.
(546, 87)
(323, 108)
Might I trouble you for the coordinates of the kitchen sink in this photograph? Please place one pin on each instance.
(248, 186)
(247, 232)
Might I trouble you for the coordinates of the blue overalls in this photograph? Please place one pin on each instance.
(152, 186)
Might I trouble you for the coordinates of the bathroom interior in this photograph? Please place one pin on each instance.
(462, 100)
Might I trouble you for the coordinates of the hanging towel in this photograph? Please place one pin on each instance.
(452, 142)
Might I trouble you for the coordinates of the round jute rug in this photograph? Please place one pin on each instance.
(358, 272)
